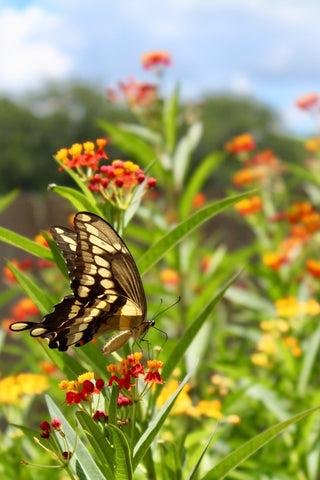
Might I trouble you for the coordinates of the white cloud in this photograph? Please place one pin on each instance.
(29, 48)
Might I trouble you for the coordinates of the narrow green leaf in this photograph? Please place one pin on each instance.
(197, 180)
(99, 443)
(182, 154)
(168, 241)
(38, 295)
(7, 199)
(312, 349)
(77, 199)
(24, 243)
(236, 458)
(8, 294)
(193, 475)
(123, 463)
(154, 426)
(129, 143)
(113, 404)
(303, 173)
(169, 119)
(192, 330)
(143, 132)
(81, 460)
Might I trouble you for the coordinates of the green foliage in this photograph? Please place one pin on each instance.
(228, 425)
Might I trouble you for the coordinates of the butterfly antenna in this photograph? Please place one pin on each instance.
(167, 308)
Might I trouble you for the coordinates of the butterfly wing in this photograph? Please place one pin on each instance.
(107, 290)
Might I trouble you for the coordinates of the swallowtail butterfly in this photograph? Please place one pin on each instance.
(107, 292)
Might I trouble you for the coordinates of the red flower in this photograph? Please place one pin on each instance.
(156, 58)
(56, 424)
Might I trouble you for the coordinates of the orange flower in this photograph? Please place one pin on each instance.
(41, 240)
(250, 205)
(313, 267)
(307, 101)
(205, 263)
(273, 260)
(293, 344)
(138, 94)
(169, 276)
(243, 177)
(23, 308)
(199, 200)
(241, 143)
(23, 265)
(290, 307)
(298, 211)
(312, 145)
(312, 221)
(156, 58)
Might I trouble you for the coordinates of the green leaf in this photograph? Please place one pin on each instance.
(38, 295)
(7, 199)
(99, 443)
(236, 458)
(312, 349)
(68, 365)
(123, 463)
(154, 426)
(143, 132)
(8, 294)
(113, 404)
(77, 199)
(193, 475)
(169, 240)
(185, 341)
(131, 144)
(169, 119)
(19, 241)
(197, 180)
(303, 173)
(182, 154)
(81, 460)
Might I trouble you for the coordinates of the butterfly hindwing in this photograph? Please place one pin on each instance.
(107, 292)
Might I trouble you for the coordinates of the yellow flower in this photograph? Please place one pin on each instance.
(209, 408)
(13, 387)
(261, 359)
(267, 344)
(182, 403)
(85, 376)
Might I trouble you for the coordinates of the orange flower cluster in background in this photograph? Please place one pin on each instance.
(241, 143)
(249, 206)
(156, 59)
(136, 94)
(308, 101)
(258, 169)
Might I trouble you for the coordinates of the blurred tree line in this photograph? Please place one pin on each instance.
(35, 127)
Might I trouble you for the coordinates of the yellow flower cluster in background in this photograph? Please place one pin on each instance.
(13, 387)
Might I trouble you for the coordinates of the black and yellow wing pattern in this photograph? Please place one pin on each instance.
(107, 291)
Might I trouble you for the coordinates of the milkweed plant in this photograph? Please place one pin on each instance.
(220, 386)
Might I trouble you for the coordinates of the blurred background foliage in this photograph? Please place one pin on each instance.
(62, 114)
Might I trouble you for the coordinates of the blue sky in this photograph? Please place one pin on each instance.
(269, 50)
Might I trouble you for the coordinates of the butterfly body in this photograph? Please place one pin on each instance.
(107, 292)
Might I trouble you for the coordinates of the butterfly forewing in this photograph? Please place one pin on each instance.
(107, 290)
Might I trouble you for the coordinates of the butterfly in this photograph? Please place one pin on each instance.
(107, 291)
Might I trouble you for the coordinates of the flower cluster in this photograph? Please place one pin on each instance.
(184, 406)
(259, 169)
(135, 94)
(129, 369)
(249, 206)
(241, 143)
(308, 101)
(291, 307)
(117, 183)
(62, 455)
(273, 341)
(156, 59)
(81, 389)
(14, 387)
(82, 156)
